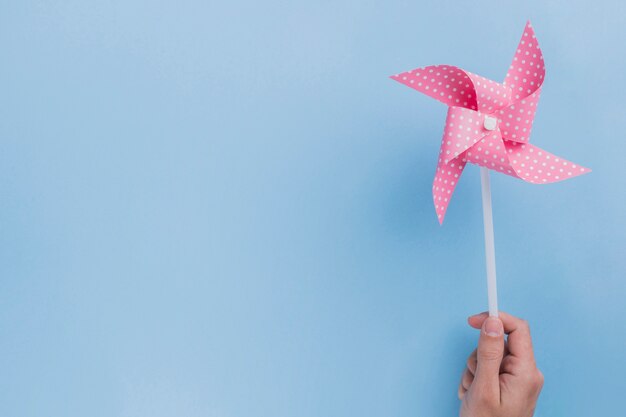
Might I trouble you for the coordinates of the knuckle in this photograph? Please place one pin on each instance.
(534, 379)
(490, 354)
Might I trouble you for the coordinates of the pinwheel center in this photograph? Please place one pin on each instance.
(490, 123)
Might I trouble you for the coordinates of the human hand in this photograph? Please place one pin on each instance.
(501, 378)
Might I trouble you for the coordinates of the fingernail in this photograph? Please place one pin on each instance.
(493, 327)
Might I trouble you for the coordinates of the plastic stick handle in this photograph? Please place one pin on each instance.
(490, 251)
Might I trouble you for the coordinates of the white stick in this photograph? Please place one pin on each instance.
(490, 251)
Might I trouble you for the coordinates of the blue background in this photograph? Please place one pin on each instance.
(224, 208)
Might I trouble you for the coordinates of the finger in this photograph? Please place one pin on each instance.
(471, 362)
(461, 392)
(489, 357)
(507, 352)
(510, 365)
(476, 321)
(467, 379)
(466, 382)
(519, 342)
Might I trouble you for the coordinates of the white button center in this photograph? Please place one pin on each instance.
(490, 123)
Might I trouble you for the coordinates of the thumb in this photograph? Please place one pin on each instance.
(489, 357)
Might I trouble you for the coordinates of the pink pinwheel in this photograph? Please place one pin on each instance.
(489, 123)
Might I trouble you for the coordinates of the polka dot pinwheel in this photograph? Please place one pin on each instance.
(489, 123)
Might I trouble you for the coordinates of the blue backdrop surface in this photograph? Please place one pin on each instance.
(224, 208)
